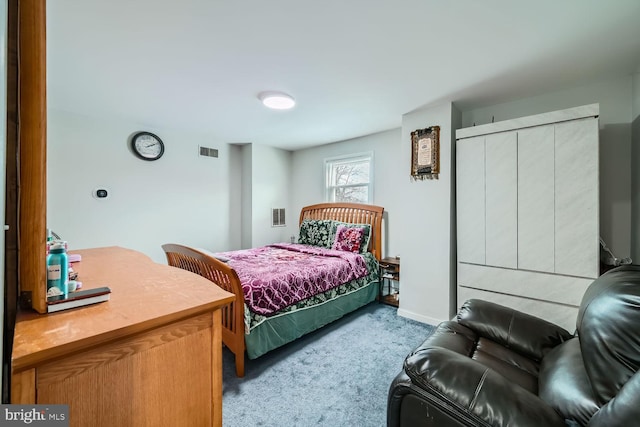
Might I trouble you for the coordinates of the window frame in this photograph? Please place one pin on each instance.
(330, 162)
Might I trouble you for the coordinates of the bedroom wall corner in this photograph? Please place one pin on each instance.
(246, 196)
(235, 197)
(424, 230)
(270, 188)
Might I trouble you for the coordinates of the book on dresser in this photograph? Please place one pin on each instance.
(78, 299)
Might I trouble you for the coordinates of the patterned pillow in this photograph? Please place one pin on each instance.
(366, 233)
(316, 232)
(348, 238)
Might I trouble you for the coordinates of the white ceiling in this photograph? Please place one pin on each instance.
(354, 66)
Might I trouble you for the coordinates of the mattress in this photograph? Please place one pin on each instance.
(267, 333)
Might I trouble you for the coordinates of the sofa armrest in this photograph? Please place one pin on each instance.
(410, 406)
(623, 409)
(521, 332)
(476, 391)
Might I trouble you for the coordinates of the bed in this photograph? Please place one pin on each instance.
(258, 321)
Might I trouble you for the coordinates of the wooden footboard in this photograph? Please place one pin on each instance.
(224, 276)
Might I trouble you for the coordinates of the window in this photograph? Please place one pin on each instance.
(350, 178)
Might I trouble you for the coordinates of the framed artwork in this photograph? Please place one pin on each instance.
(425, 153)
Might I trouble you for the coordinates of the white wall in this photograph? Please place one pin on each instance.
(235, 197)
(271, 180)
(615, 99)
(246, 211)
(424, 231)
(181, 198)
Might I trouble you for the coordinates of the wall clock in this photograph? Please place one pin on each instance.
(147, 146)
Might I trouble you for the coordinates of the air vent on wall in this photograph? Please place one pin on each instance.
(208, 152)
(277, 217)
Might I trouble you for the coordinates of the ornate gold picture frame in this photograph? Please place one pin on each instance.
(425, 153)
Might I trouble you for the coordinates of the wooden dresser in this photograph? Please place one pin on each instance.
(151, 356)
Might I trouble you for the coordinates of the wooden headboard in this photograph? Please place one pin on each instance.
(354, 213)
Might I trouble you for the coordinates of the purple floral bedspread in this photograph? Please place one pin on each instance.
(276, 276)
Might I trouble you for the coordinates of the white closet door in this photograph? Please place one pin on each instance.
(576, 198)
(502, 199)
(536, 176)
(470, 200)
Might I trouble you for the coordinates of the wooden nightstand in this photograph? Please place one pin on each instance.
(389, 281)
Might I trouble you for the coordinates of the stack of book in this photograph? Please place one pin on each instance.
(78, 299)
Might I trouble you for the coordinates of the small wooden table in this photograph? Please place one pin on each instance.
(389, 272)
(151, 355)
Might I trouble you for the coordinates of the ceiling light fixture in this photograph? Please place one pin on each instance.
(277, 100)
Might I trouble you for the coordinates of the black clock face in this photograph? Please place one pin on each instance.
(147, 146)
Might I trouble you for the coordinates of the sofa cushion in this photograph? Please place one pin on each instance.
(459, 339)
(518, 331)
(452, 336)
(564, 385)
(607, 325)
(622, 410)
(477, 391)
(511, 365)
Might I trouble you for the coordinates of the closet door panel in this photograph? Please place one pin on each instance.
(536, 176)
(576, 198)
(470, 200)
(502, 199)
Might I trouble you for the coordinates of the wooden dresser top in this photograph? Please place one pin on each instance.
(144, 295)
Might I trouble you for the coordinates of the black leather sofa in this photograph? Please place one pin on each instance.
(494, 366)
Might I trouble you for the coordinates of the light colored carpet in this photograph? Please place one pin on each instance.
(337, 376)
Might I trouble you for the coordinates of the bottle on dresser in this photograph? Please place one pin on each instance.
(57, 270)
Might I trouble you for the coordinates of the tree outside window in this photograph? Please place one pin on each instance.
(350, 178)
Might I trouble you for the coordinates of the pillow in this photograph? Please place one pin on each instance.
(316, 232)
(366, 233)
(348, 238)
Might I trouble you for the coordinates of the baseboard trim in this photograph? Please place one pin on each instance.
(419, 317)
